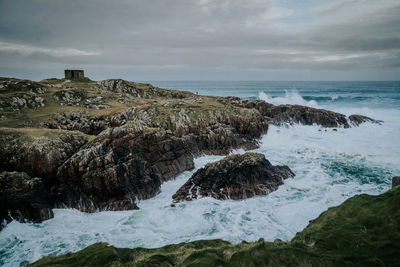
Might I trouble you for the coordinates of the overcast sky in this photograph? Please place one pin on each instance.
(202, 39)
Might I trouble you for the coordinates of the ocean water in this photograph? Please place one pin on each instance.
(330, 167)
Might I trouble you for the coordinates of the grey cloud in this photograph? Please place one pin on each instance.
(179, 39)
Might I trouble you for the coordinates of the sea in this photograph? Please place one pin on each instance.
(330, 167)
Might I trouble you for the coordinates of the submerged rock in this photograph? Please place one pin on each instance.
(23, 198)
(234, 177)
(356, 120)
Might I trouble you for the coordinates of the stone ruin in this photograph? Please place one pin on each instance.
(74, 74)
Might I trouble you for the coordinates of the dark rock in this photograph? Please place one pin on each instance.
(78, 121)
(23, 198)
(121, 164)
(395, 181)
(234, 177)
(37, 156)
(356, 120)
(293, 113)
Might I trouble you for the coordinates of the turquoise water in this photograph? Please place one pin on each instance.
(328, 94)
(330, 167)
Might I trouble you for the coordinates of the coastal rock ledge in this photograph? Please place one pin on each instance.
(234, 177)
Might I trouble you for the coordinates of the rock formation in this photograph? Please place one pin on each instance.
(234, 177)
(356, 120)
(290, 114)
(121, 164)
(23, 198)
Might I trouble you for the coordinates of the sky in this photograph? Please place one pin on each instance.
(201, 39)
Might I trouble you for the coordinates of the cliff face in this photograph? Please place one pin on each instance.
(363, 231)
(102, 145)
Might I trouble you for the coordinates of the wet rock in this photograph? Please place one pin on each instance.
(356, 120)
(234, 177)
(123, 164)
(395, 181)
(289, 114)
(23, 198)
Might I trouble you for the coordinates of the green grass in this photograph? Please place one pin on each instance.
(363, 231)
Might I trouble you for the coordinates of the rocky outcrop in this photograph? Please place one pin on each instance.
(23, 198)
(121, 164)
(234, 177)
(70, 97)
(289, 114)
(131, 90)
(20, 94)
(78, 121)
(356, 120)
(37, 155)
(10, 85)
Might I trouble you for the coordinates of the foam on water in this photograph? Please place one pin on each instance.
(330, 167)
(291, 97)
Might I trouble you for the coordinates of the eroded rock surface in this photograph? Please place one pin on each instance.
(289, 114)
(122, 164)
(23, 198)
(356, 120)
(37, 155)
(234, 177)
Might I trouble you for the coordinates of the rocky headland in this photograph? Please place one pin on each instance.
(234, 177)
(103, 145)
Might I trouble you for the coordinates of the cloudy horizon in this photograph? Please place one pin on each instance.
(202, 39)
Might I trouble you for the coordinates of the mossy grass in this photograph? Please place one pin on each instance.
(363, 231)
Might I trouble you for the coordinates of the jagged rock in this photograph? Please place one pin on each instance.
(293, 113)
(234, 177)
(10, 85)
(121, 164)
(23, 198)
(356, 120)
(79, 121)
(395, 181)
(131, 90)
(37, 156)
(70, 97)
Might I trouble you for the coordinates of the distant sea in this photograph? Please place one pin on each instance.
(330, 167)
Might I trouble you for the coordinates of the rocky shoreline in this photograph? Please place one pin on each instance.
(73, 153)
(362, 231)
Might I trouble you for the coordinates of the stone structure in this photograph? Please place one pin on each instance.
(74, 74)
